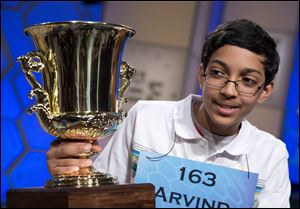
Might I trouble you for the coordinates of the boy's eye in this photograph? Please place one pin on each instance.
(216, 72)
(249, 81)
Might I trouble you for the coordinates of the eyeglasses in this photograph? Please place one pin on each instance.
(245, 86)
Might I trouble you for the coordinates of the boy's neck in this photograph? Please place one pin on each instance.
(204, 120)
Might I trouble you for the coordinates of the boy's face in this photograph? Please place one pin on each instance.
(224, 108)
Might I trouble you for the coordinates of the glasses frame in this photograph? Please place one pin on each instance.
(235, 84)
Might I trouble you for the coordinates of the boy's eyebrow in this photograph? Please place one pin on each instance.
(250, 70)
(245, 70)
(223, 64)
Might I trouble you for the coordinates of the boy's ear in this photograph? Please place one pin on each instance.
(200, 75)
(266, 92)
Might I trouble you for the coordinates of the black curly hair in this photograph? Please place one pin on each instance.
(245, 34)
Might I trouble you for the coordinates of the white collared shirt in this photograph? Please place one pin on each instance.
(158, 125)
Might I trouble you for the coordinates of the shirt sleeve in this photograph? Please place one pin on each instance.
(115, 158)
(277, 190)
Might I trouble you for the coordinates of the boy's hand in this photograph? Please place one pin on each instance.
(63, 158)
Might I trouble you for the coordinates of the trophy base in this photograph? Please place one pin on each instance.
(109, 196)
(94, 180)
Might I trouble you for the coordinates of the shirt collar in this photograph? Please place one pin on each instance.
(241, 143)
(185, 128)
(183, 122)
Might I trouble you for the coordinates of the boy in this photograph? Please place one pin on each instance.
(238, 65)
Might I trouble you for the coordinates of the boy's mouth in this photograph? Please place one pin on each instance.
(227, 109)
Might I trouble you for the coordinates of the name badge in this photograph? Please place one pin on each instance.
(191, 184)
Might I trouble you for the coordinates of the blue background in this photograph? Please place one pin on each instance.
(291, 119)
(23, 142)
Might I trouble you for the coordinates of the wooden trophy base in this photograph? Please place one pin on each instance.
(109, 196)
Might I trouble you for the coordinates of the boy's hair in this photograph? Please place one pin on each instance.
(245, 34)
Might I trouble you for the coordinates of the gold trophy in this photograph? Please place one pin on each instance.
(80, 99)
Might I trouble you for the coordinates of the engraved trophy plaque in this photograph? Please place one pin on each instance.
(84, 81)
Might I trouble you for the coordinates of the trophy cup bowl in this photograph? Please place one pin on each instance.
(80, 98)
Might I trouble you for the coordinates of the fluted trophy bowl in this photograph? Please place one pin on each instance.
(84, 81)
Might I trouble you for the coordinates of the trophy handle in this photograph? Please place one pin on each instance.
(126, 74)
(34, 62)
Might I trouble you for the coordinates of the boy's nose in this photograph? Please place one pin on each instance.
(229, 90)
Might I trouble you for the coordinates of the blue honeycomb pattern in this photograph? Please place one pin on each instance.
(23, 141)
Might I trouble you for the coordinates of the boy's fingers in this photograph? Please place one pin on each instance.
(69, 162)
(68, 150)
(63, 158)
(96, 148)
(63, 170)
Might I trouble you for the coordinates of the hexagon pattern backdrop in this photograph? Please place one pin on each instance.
(23, 142)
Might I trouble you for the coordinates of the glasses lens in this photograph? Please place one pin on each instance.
(245, 87)
(216, 80)
(241, 86)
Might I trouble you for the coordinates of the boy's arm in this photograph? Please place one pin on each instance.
(277, 189)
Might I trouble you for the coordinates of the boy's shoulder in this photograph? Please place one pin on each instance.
(155, 103)
(165, 106)
(263, 139)
(143, 106)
